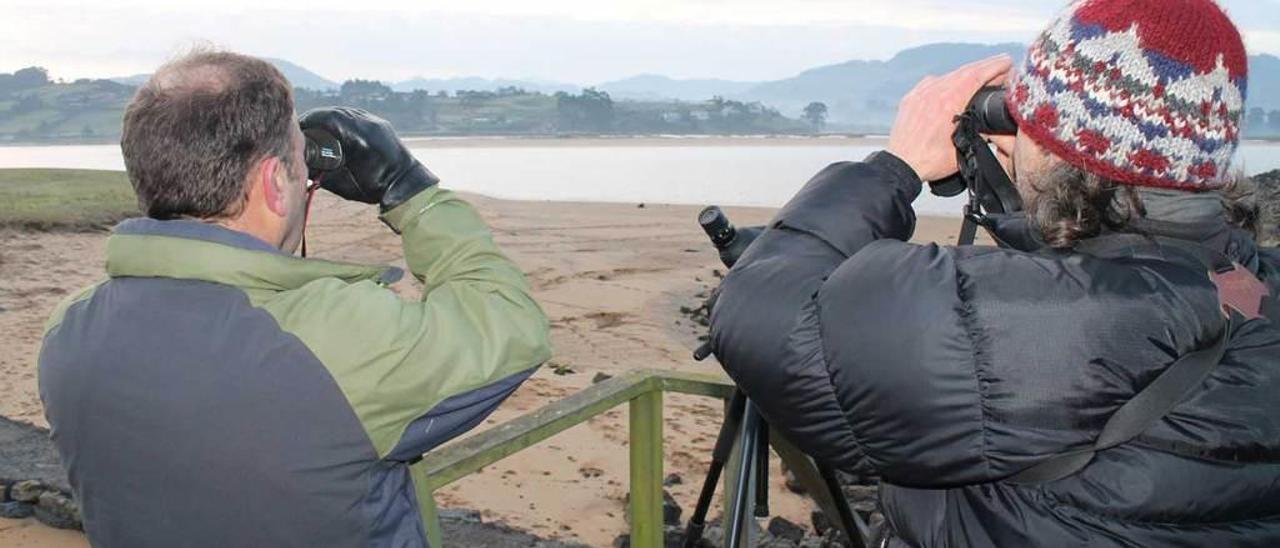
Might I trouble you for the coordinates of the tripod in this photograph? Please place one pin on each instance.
(744, 425)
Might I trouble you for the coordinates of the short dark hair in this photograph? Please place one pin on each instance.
(194, 129)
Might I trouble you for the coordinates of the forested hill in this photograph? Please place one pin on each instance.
(856, 96)
(35, 109)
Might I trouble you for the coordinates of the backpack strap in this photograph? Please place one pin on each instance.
(1159, 397)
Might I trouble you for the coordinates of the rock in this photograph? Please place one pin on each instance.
(672, 479)
(26, 491)
(782, 528)
(58, 510)
(16, 510)
(671, 509)
(461, 515)
(600, 377)
(791, 481)
(714, 535)
(861, 493)
(820, 522)
(1268, 198)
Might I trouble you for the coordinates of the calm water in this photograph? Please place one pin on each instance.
(749, 174)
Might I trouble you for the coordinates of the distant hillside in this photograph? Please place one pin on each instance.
(860, 96)
(656, 86)
(301, 77)
(863, 95)
(33, 108)
(297, 75)
(1264, 82)
(135, 80)
(866, 93)
(480, 84)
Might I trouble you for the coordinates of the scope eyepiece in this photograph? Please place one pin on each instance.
(717, 226)
(322, 152)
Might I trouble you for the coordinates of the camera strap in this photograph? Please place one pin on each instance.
(990, 189)
(1173, 385)
(306, 214)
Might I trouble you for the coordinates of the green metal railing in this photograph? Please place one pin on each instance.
(642, 389)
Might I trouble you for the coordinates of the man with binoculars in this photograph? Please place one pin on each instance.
(1108, 376)
(217, 391)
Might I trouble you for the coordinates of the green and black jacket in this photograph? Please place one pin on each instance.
(214, 391)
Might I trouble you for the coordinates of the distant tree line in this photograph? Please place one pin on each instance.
(513, 110)
(33, 107)
(27, 78)
(1261, 123)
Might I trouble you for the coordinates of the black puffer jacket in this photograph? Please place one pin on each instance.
(946, 370)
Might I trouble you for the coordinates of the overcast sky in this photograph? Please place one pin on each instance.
(576, 41)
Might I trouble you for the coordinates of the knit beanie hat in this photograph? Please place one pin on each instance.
(1143, 92)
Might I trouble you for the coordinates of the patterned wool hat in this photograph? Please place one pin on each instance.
(1143, 92)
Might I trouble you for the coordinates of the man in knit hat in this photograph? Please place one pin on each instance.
(1113, 382)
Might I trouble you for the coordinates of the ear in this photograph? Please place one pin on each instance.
(272, 186)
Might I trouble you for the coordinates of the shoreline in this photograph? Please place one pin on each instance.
(547, 140)
(597, 141)
(637, 140)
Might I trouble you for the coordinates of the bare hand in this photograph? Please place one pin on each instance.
(921, 135)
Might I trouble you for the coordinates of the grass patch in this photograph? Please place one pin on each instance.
(64, 199)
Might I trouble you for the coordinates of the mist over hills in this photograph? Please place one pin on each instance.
(861, 95)
(866, 93)
(657, 86)
(482, 84)
(297, 75)
(857, 93)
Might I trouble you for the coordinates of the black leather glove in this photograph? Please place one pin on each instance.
(377, 168)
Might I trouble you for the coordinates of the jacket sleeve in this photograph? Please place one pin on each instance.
(765, 325)
(420, 372)
(484, 334)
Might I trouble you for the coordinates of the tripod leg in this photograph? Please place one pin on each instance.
(719, 456)
(762, 469)
(827, 494)
(851, 521)
(740, 519)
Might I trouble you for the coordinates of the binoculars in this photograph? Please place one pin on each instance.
(990, 113)
(322, 151)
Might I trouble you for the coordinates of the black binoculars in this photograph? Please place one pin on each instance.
(990, 113)
(322, 151)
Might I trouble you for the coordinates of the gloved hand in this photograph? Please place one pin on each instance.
(377, 168)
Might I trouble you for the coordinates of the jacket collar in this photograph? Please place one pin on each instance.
(192, 250)
(1194, 217)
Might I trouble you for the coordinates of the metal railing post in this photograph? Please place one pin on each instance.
(646, 469)
(431, 517)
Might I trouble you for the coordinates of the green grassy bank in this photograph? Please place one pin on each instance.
(64, 199)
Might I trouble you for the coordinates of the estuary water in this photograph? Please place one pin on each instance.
(746, 172)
